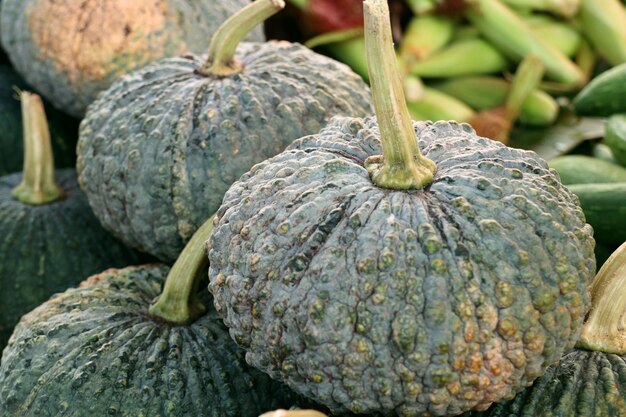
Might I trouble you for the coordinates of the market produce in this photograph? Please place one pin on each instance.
(96, 350)
(605, 95)
(486, 92)
(581, 169)
(63, 130)
(615, 137)
(445, 275)
(604, 23)
(49, 238)
(605, 210)
(158, 149)
(71, 50)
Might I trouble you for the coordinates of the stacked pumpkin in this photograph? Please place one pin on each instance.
(375, 266)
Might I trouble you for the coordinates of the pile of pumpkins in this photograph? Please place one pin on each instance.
(357, 262)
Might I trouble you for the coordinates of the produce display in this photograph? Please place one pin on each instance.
(70, 50)
(158, 149)
(49, 240)
(391, 283)
(389, 208)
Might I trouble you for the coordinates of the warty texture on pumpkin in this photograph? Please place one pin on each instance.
(70, 50)
(94, 350)
(437, 300)
(158, 149)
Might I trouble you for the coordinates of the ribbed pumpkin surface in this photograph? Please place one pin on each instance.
(70, 50)
(49, 248)
(63, 129)
(94, 351)
(412, 303)
(158, 149)
(582, 384)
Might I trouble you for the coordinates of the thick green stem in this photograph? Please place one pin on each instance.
(402, 166)
(221, 60)
(179, 302)
(38, 185)
(605, 329)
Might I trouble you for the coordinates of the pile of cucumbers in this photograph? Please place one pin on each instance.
(599, 181)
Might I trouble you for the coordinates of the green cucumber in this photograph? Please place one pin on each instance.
(604, 206)
(601, 151)
(605, 95)
(615, 137)
(580, 169)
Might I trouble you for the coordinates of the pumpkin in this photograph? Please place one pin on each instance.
(63, 129)
(439, 277)
(159, 148)
(98, 350)
(49, 238)
(591, 379)
(71, 50)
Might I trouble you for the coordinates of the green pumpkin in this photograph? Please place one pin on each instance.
(440, 277)
(94, 350)
(71, 50)
(63, 129)
(159, 148)
(49, 245)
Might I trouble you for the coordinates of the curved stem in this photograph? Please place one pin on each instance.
(221, 60)
(402, 166)
(38, 185)
(179, 302)
(527, 78)
(605, 329)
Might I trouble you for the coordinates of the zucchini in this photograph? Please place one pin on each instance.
(605, 95)
(604, 206)
(615, 137)
(580, 169)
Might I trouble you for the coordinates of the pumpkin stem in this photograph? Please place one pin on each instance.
(179, 302)
(221, 60)
(605, 329)
(38, 185)
(402, 166)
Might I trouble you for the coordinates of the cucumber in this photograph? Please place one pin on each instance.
(601, 151)
(580, 169)
(615, 137)
(605, 95)
(604, 206)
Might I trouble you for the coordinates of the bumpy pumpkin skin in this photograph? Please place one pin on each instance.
(159, 149)
(430, 302)
(63, 129)
(49, 248)
(70, 50)
(95, 351)
(582, 384)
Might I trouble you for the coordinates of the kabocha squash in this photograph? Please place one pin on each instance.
(63, 129)
(445, 275)
(49, 237)
(591, 379)
(158, 149)
(98, 350)
(70, 50)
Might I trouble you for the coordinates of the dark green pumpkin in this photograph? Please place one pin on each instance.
(582, 384)
(71, 50)
(95, 351)
(158, 149)
(49, 248)
(63, 129)
(432, 301)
